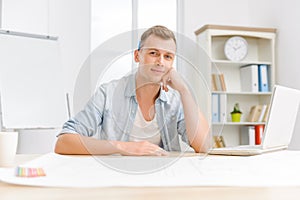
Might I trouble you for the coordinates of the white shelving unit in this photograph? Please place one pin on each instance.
(261, 50)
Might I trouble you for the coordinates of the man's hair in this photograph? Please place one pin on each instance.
(159, 31)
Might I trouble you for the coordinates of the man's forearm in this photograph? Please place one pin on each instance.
(81, 145)
(196, 125)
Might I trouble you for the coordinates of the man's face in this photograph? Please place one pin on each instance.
(155, 58)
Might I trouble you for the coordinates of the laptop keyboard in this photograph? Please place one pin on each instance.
(244, 147)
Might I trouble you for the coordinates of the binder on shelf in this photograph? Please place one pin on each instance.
(249, 78)
(215, 108)
(222, 108)
(247, 135)
(263, 81)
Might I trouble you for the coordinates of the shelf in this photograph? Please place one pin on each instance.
(239, 123)
(226, 80)
(227, 63)
(258, 48)
(242, 93)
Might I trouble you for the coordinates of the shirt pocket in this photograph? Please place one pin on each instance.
(114, 122)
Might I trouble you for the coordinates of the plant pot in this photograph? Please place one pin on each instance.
(236, 117)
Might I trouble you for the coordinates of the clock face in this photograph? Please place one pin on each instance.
(236, 48)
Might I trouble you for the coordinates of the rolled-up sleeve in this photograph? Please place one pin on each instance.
(88, 121)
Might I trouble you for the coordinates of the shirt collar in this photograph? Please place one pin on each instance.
(130, 89)
(163, 95)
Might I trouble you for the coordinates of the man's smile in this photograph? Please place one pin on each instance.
(158, 71)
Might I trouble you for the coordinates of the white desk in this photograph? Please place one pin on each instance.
(8, 191)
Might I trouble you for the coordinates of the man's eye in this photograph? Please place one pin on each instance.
(168, 57)
(153, 53)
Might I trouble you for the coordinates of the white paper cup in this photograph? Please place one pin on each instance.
(8, 148)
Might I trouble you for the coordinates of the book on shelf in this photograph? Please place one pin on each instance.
(218, 82)
(222, 80)
(247, 135)
(218, 142)
(266, 115)
(259, 130)
(262, 114)
(255, 113)
(214, 82)
(252, 135)
(258, 113)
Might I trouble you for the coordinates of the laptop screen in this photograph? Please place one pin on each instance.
(282, 117)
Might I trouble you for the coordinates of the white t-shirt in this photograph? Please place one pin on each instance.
(145, 130)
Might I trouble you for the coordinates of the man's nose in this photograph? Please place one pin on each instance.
(160, 60)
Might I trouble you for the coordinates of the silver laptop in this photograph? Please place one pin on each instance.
(279, 128)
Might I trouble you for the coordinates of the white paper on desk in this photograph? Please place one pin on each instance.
(273, 169)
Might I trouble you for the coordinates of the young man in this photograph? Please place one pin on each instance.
(140, 114)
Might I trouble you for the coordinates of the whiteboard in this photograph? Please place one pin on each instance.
(31, 82)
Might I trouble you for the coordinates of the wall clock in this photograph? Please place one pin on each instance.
(236, 48)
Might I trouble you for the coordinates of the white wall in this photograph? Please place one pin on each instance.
(70, 21)
(200, 12)
(288, 51)
(283, 16)
(0, 13)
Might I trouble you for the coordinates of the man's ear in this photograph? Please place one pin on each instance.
(136, 56)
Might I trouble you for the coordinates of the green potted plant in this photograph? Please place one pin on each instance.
(236, 113)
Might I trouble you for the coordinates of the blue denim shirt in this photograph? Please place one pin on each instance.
(110, 114)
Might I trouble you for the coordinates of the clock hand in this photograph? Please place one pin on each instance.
(236, 48)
